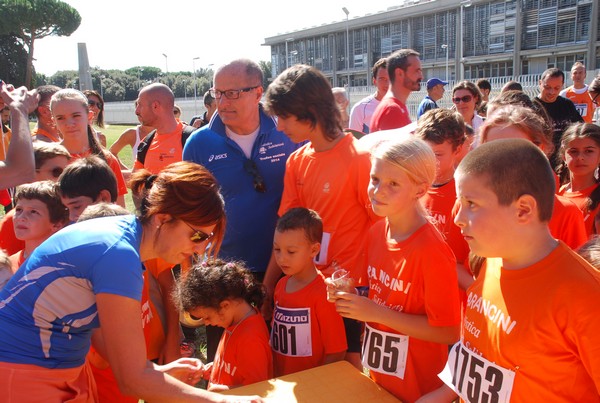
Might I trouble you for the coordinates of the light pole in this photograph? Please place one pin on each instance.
(445, 46)
(345, 10)
(463, 4)
(166, 62)
(195, 83)
(101, 89)
(287, 55)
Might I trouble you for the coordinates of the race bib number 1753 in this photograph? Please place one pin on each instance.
(476, 379)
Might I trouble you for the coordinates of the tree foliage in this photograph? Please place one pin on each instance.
(30, 20)
(13, 60)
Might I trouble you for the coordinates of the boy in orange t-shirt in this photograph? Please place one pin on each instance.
(329, 174)
(530, 328)
(444, 131)
(306, 330)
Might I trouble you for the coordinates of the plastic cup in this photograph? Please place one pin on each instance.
(340, 280)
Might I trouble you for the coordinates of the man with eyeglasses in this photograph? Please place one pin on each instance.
(404, 69)
(561, 110)
(243, 149)
(578, 92)
(45, 129)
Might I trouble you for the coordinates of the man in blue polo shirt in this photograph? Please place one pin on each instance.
(435, 92)
(242, 148)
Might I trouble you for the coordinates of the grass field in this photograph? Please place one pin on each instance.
(112, 133)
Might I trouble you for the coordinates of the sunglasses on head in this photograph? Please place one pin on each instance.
(94, 103)
(199, 236)
(465, 99)
(257, 179)
(55, 172)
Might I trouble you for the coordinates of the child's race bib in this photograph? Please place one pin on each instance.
(476, 379)
(385, 352)
(290, 334)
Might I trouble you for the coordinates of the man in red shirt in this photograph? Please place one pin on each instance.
(404, 68)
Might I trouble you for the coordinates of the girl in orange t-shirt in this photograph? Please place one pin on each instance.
(580, 151)
(227, 295)
(412, 313)
(71, 112)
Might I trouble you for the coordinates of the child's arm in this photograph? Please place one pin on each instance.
(441, 395)
(363, 309)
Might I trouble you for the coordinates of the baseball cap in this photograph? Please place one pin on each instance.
(432, 82)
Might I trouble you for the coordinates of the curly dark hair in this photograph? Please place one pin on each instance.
(209, 283)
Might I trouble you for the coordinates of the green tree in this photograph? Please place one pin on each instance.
(30, 20)
(267, 72)
(14, 60)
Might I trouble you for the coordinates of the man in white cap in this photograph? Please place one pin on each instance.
(435, 92)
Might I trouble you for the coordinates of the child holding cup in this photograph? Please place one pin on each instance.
(412, 312)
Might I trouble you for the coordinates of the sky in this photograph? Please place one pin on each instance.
(120, 34)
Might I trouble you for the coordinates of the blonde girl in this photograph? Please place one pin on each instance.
(412, 312)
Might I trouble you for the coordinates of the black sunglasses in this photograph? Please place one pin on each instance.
(96, 104)
(465, 99)
(199, 236)
(258, 181)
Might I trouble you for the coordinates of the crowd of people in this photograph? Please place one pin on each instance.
(452, 257)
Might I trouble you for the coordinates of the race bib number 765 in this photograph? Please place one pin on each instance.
(476, 379)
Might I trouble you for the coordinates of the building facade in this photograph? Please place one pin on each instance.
(457, 39)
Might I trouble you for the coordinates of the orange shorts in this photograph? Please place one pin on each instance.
(106, 383)
(31, 383)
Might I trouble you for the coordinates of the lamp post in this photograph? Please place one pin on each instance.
(445, 46)
(345, 10)
(195, 83)
(166, 63)
(287, 55)
(463, 4)
(101, 89)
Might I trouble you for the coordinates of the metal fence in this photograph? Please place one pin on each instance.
(124, 112)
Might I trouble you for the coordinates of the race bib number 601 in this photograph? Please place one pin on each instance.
(385, 352)
(290, 334)
(476, 379)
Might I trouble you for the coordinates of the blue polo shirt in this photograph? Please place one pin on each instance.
(251, 215)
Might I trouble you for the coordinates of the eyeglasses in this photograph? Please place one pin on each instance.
(465, 99)
(594, 98)
(94, 103)
(55, 172)
(258, 181)
(230, 94)
(199, 236)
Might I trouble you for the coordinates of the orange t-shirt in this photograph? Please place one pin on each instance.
(439, 202)
(580, 198)
(333, 183)
(583, 102)
(8, 239)
(153, 323)
(540, 324)
(305, 327)
(567, 223)
(114, 165)
(416, 276)
(50, 136)
(243, 355)
(5, 141)
(165, 149)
